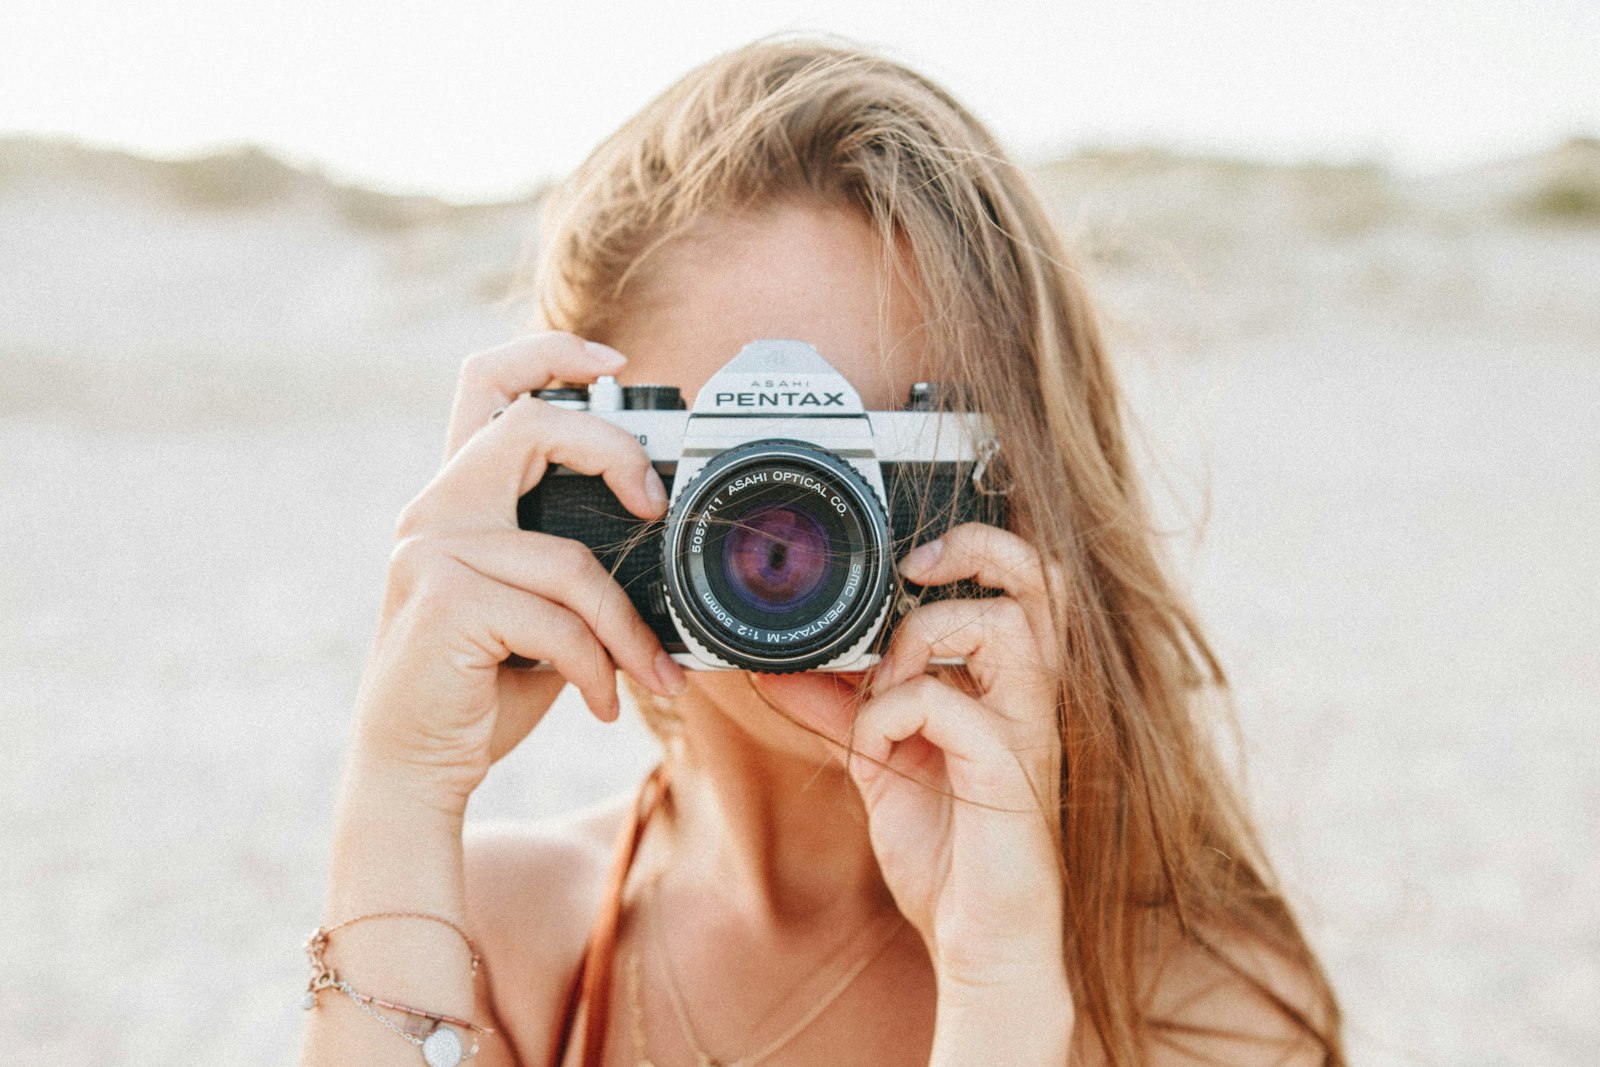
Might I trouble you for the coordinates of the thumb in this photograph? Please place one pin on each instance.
(524, 698)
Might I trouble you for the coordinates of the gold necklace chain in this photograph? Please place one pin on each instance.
(686, 1028)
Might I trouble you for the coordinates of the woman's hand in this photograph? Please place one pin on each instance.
(960, 770)
(467, 588)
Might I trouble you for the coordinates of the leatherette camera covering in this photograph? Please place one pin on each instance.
(924, 501)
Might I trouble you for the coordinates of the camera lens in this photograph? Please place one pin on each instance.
(776, 557)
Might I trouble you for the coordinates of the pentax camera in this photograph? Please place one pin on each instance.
(789, 504)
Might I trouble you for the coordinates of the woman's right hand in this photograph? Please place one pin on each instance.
(467, 588)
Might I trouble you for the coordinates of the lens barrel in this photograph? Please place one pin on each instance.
(776, 557)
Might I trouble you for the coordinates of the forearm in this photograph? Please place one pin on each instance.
(395, 849)
(1017, 1023)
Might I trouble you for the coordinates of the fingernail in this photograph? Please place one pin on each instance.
(922, 557)
(607, 357)
(671, 675)
(654, 488)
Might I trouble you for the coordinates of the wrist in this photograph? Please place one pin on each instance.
(420, 737)
(1041, 983)
(1030, 1016)
(1021, 950)
(397, 846)
(378, 789)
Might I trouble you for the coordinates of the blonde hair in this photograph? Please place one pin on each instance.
(1154, 835)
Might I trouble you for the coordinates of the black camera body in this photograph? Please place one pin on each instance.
(789, 505)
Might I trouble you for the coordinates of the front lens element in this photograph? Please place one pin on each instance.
(776, 559)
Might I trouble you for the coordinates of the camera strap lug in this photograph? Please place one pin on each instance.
(987, 450)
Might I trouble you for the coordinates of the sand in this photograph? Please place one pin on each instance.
(1382, 396)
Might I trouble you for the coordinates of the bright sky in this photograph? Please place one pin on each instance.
(479, 98)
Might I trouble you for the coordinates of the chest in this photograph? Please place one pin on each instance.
(882, 1017)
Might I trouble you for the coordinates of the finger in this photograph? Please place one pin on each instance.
(492, 378)
(566, 572)
(481, 483)
(996, 559)
(536, 628)
(994, 636)
(976, 761)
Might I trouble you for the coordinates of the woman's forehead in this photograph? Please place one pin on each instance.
(793, 271)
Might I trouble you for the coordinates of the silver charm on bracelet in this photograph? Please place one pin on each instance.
(441, 1048)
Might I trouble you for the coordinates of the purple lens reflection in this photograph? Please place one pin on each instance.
(776, 558)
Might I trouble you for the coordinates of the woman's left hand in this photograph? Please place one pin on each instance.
(960, 770)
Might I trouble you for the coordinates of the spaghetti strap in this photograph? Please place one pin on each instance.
(591, 987)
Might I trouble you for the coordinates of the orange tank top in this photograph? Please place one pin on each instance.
(587, 1013)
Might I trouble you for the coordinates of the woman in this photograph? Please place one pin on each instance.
(1031, 860)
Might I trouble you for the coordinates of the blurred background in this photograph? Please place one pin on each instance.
(1349, 260)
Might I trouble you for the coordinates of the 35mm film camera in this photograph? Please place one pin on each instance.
(789, 505)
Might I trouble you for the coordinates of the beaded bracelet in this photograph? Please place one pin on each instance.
(441, 1046)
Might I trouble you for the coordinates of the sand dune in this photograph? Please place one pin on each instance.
(223, 377)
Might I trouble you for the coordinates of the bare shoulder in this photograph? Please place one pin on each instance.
(1230, 996)
(532, 892)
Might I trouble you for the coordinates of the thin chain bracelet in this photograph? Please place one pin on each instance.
(318, 941)
(442, 1046)
(323, 976)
